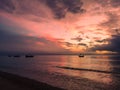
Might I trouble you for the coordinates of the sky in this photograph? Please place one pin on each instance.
(60, 26)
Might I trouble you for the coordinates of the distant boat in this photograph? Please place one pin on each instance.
(81, 55)
(29, 56)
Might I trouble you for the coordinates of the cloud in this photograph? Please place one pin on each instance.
(42, 8)
(113, 45)
(79, 38)
(61, 7)
(7, 5)
(81, 24)
(109, 3)
(12, 42)
(68, 44)
(113, 20)
(115, 3)
(82, 44)
(100, 41)
(34, 10)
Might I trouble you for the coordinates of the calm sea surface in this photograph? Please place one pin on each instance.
(68, 71)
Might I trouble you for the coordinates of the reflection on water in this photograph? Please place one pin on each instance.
(96, 63)
(99, 68)
(93, 63)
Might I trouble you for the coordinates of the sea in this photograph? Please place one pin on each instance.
(70, 72)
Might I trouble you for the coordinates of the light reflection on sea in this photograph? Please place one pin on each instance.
(84, 63)
(44, 67)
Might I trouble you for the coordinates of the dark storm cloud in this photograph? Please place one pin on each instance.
(7, 5)
(114, 45)
(61, 7)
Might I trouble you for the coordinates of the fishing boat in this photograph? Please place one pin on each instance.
(29, 56)
(81, 55)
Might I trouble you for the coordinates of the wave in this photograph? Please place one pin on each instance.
(91, 70)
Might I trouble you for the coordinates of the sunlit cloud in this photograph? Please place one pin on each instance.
(69, 26)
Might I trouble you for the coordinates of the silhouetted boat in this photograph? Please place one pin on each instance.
(29, 56)
(81, 55)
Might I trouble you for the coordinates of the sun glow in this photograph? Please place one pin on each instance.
(104, 52)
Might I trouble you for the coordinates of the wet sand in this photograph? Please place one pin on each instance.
(13, 82)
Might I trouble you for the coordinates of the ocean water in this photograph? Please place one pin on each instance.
(92, 72)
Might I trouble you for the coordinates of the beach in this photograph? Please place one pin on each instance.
(10, 81)
(14, 82)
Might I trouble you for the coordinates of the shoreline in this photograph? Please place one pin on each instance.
(22, 83)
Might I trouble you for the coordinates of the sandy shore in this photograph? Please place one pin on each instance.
(13, 82)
